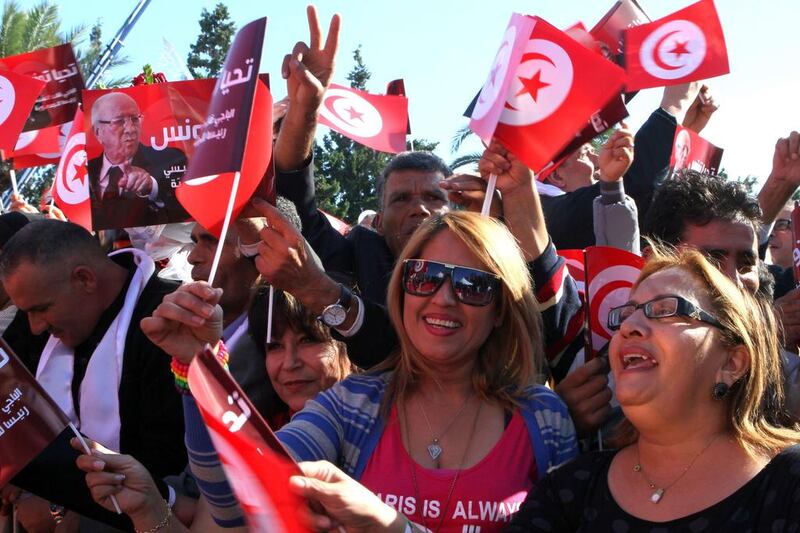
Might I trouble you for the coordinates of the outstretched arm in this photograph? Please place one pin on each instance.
(784, 178)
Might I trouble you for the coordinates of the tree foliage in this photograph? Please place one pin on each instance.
(207, 55)
(345, 171)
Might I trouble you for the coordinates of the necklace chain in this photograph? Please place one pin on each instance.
(455, 477)
(658, 492)
(435, 447)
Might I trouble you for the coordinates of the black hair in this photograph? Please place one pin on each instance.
(694, 198)
(420, 161)
(49, 242)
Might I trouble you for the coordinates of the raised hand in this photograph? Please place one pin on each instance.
(512, 174)
(616, 155)
(186, 320)
(699, 113)
(468, 191)
(308, 69)
(136, 181)
(786, 159)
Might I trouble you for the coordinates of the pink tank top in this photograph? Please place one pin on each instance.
(484, 497)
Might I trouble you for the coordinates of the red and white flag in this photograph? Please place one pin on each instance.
(18, 93)
(685, 46)
(377, 121)
(29, 419)
(554, 89)
(610, 30)
(255, 462)
(575, 266)
(58, 68)
(232, 158)
(71, 183)
(689, 150)
(610, 274)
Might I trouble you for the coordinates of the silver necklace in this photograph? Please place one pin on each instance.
(455, 477)
(658, 492)
(435, 447)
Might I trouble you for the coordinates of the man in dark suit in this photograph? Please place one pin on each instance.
(131, 184)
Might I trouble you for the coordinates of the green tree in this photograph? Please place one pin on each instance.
(345, 171)
(208, 54)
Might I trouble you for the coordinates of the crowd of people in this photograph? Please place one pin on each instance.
(428, 370)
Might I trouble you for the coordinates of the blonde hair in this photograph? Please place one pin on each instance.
(512, 356)
(757, 416)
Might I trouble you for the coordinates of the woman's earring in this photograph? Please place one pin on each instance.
(720, 390)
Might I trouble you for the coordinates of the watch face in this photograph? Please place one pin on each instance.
(334, 315)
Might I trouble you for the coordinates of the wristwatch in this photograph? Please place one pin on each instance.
(335, 314)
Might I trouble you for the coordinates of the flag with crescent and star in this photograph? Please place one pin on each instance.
(377, 121)
(254, 460)
(58, 68)
(685, 46)
(232, 159)
(71, 182)
(553, 89)
(18, 94)
(37, 148)
(609, 273)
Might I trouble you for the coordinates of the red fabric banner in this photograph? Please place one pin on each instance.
(610, 274)
(237, 141)
(18, 94)
(685, 46)
(377, 121)
(29, 419)
(609, 31)
(689, 150)
(255, 462)
(58, 68)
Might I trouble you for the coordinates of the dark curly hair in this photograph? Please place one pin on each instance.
(694, 198)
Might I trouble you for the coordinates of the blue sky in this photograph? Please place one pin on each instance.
(443, 50)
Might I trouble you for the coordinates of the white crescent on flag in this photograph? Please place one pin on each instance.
(72, 181)
(491, 88)
(673, 50)
(610, 288)
(7, 98)
(351, 113)
(541, 83)
(25, 138)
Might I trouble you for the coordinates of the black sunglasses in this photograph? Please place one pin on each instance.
(470, 285)
(661, 307)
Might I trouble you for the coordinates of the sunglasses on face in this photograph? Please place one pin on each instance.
(661, 307)
(470, 285)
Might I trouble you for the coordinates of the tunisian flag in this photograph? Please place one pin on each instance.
(685, 46)
(71, 183)
(255, 462)
(233, 156)
(29, 419)
(17, 95)
(377, 121)
(553, 89)
(610, 274)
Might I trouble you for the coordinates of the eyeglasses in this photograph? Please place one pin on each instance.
(119, 122)
(661, 307)
(782, 224)
(470, 285)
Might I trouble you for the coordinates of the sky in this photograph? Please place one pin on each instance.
(444, 49)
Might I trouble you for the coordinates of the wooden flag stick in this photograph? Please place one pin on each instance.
(487, 201)
(89, 452)
(225, 224)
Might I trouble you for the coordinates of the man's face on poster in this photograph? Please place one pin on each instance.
(117, 126)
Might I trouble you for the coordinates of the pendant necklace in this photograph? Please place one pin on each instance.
(455, 477)
(435, 447)
(658, 492)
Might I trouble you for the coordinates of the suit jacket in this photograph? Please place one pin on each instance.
(128, 212)
(151, 416)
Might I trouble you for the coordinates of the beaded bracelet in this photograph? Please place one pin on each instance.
(161, 525)
(181, 370)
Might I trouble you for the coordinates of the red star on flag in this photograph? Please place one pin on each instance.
(355, 114)
(532, 85)
(80, 173)
(680, 48)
